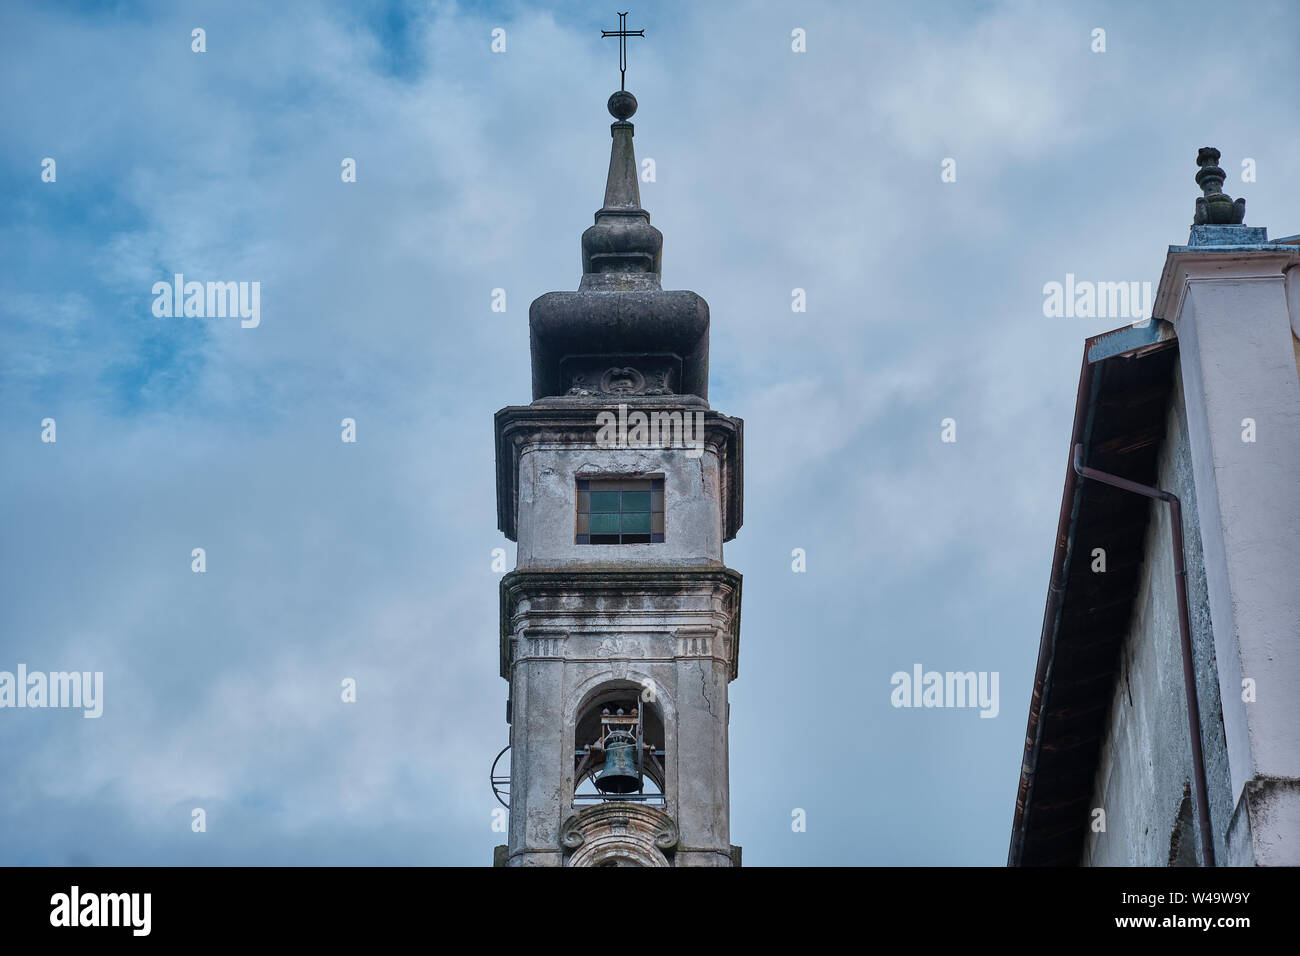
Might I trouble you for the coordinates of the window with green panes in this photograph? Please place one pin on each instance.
(620, 511)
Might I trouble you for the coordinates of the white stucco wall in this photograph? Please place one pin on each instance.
(1234, 310)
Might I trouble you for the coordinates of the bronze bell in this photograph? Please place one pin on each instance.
(619, 774)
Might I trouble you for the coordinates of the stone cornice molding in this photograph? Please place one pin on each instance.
(723, 584)
(1186, 264)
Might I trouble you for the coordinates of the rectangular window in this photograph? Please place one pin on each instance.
(620, 511)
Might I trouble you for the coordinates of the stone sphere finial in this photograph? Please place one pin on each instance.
(622, 105)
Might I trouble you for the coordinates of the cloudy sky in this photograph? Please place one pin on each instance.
(476, 170)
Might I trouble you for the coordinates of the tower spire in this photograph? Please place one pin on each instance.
(621, 332)
(622, 251)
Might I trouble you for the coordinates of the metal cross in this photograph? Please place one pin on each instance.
(622, 33)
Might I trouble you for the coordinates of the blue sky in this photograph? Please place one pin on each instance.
(477, 171)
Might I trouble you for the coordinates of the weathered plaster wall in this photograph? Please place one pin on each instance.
(678, 644)
(547, 506)
(1145, 769)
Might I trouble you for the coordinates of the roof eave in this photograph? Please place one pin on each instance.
(1131, 341)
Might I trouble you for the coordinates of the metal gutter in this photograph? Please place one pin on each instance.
(1184, 634)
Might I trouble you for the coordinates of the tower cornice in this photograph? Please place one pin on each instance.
(596, 593)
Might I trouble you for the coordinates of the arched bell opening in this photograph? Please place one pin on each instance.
(619, 748)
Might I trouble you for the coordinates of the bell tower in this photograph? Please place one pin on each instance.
(620, 625)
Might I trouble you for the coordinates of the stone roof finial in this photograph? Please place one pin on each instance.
(1215, 208)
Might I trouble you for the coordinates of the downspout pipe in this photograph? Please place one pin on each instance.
(1184, 633)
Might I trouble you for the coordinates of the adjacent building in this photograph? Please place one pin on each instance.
(1198, 411)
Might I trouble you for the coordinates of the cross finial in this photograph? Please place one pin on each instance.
(622, 33)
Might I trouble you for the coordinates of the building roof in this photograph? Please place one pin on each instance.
(1120, 419)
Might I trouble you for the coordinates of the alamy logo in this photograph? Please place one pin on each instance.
(102, 909)
(655, 429)
(213, 300)
(1096, 300)
(82, 689)
(946, 689)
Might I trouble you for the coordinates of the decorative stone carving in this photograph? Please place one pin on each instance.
(651, 379)
(571, 834)
(656, 383)
(580, 386)
(612, 646)
(668, 837)
(695, 642)
(619, 833)
(622, 381)
(538, 642)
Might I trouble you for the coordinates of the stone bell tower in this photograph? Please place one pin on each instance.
(620, 626)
